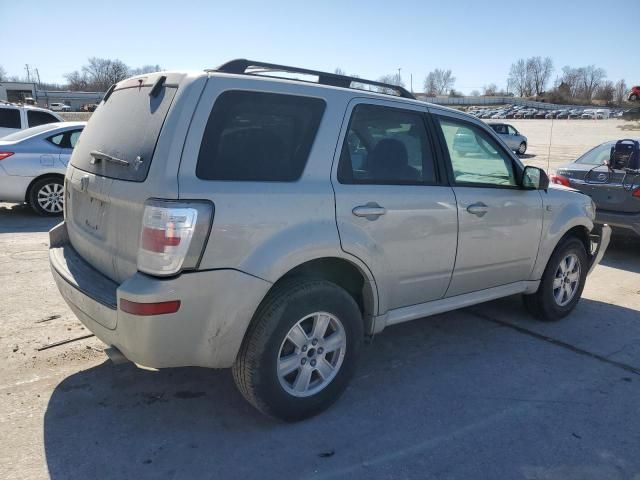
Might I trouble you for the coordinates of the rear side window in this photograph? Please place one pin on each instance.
(386, 146)
(9, 118)
(596, 156)
(35, 118)
(126, 127)
(255, 136)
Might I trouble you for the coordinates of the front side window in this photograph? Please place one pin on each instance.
(35, 118)
(9, 118)
(386, 146)
(66, 139)
(475, 156)
(502, 129)
(512, 131)
(255, 136)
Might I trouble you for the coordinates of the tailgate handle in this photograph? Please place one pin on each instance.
(98, 156)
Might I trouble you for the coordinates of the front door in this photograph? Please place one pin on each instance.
(499, 222)
(392, 209)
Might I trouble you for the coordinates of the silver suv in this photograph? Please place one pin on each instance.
(235, 218)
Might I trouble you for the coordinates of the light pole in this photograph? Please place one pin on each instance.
(399, 77)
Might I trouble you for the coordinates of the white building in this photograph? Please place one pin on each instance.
(19, 92)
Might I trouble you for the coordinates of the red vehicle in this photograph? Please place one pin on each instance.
(634, 95)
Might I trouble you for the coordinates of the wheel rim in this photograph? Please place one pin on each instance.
(567, 279)
(311, 354)
(51, 197)
(522, 148)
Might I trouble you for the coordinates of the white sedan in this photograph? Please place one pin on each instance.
(33, 163)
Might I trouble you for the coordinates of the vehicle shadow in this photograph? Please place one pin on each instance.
(423, 390)
(525, 156)
(623, 253)
(19, 217)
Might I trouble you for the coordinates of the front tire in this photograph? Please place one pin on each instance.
(522, 148)
(46, 196)
(301, 349)
(562, 282)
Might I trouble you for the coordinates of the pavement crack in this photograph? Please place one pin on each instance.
(556, 342)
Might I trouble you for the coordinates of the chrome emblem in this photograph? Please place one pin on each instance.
(602, 176)
(84, 183)
(137, 162)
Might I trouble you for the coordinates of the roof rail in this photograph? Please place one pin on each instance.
(249, 67)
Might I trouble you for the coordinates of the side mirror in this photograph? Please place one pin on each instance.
(534, 178)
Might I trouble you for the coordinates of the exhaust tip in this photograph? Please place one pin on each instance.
(116, 356)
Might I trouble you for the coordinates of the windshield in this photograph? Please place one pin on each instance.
(596, 156)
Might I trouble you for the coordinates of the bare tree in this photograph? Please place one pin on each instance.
(145, 69)
(590, 78)
(605, 91)
(391, 79)
(570, 81)
(3, 74)
(474, 93)
(77, 81)
(620, 94)
(439, 82)
(520, 78)
(490, 90)
(102, 73)
(339, 71)
(539, 71)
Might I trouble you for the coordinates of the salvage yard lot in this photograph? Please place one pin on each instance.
(485, 392)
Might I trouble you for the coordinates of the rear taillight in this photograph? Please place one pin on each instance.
(173, 235)
(4, 155)
(560, 180)
(636, 193)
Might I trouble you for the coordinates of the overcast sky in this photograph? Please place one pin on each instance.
(477, 40)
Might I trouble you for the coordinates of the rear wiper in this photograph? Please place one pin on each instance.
(98, 156)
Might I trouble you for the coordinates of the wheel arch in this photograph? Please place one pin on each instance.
(346, 273)
(27, 193)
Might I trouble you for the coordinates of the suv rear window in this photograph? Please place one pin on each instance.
(36, 117)
(9, 118)
(255, 136)
(126, 127)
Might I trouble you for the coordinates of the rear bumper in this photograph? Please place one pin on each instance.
(600, 236)
(619, 220)
(215, 311)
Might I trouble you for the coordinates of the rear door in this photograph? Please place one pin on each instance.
(111, 174)
(500, 224)
(392, 208)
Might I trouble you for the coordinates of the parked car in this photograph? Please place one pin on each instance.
(616, 205)
(89, 107)
(631, 114)
(33, 163)
(540, 114)
(634, 94)
(59, 107)
(575, 114)
(17, 117)
(562, 114)
(210, 223)
(509, 135)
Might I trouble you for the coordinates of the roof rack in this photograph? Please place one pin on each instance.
(249, 67)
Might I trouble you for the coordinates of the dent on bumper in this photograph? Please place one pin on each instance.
(207, 331)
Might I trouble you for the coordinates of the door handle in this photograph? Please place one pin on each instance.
(370, 211)
(479, 209)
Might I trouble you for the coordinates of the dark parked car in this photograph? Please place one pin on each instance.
(617, 205)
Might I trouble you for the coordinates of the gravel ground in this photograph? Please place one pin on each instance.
(485, 392)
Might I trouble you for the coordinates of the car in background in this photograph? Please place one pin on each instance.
(540, 114)
(14, 118)
(88, 107)
(575, 114)
(631, 114)
(616, 205)
(562, 114)
(509, 135)
(59, 107)
(33, 163)
(634, 94)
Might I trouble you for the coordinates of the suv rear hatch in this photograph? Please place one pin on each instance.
(121, 160)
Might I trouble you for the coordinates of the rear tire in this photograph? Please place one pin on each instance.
(286, 336)
(633, 98)
(46, 196)
(557, 294)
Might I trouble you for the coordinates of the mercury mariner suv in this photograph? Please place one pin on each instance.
(241, 218)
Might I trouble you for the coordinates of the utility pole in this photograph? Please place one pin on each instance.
(399, 77)
(412, 83)
(26, 67)
(38, 76)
